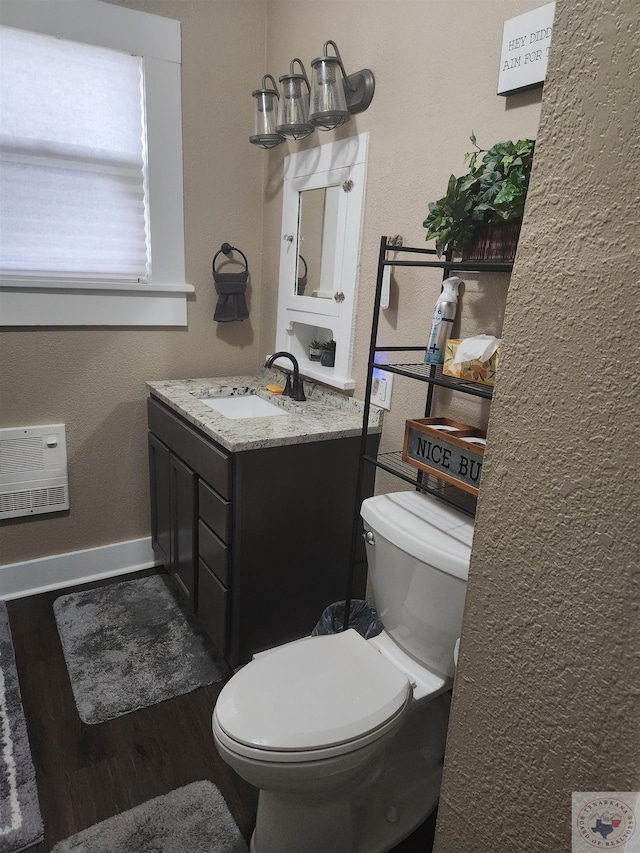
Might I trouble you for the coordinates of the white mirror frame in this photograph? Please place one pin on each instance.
(302, 319)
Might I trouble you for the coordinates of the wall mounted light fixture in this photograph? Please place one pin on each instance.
(265, 134)
(335, 99)
(293, 108)
(328, 102)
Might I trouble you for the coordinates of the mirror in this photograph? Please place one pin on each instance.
(317, 236)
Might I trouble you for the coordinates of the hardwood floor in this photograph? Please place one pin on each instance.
(88, 773)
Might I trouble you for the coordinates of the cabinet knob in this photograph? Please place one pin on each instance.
(288, 238)
(339, 297)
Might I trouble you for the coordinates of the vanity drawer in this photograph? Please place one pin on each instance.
(215, 511)
(213, 608)
(214, 553)
(205, 457)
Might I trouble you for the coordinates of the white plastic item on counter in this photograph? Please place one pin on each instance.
(442, 322)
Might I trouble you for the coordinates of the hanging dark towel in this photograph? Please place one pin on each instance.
(231, 287)
(232, 304)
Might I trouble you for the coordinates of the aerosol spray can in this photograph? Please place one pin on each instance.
(443, 318)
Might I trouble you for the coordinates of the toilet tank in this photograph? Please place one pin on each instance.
(418, 557)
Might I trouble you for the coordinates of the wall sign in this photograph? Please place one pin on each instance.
(525, 50)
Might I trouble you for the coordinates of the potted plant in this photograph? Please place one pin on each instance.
(328, 356)
(315, 350)
(481, 213)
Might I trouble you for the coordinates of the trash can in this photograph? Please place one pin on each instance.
(363, 617)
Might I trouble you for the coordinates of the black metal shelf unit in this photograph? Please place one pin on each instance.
(433, 374)
(429, 373)
(393, 464)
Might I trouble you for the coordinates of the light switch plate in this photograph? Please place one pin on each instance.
(381, 388)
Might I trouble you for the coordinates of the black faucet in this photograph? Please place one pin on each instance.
(296, 392)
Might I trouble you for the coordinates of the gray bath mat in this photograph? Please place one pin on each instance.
(130, 645)
(193, 819)
(20, 818)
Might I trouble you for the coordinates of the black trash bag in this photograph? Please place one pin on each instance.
(363, 617)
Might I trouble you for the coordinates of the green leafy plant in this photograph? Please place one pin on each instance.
(492, 191)
(315, 350)
(328, 357)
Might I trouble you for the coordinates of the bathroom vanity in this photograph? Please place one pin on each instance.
(252, 514)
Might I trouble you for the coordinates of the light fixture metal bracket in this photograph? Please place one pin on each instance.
(359, 89)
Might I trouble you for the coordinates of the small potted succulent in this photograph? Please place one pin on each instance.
(315, 350)
(481, 214)
(328, 356)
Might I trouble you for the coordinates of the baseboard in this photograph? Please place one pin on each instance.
(31, 577)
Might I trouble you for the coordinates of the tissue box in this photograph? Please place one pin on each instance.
(483, 372)
(449, 450)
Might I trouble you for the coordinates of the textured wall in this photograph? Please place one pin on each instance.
(93, 379)
(546, 694)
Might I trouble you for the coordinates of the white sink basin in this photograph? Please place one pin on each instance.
(245, 406)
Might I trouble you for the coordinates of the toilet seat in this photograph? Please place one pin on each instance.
(311, 699)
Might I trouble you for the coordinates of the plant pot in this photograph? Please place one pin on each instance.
(494, 242)
(328, 358)
(314, 354)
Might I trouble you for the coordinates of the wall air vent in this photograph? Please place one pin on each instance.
(33, 470)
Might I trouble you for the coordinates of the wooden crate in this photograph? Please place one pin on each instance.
(446, 453)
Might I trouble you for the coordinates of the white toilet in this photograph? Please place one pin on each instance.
(344, 736)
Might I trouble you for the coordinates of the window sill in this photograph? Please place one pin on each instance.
(92, 303)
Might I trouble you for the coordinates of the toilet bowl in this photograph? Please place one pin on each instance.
(325, 709)
(344, 737)
(314, 743)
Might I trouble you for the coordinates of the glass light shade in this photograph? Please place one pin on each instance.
(293, 108)
(328, 108)
(264, 119)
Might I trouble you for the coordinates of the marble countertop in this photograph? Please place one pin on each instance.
(325, 415)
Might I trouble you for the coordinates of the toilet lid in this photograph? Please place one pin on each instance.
(311, 694)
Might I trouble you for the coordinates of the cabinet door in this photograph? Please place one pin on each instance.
(184, 484)
(160, 493)
(213, 608)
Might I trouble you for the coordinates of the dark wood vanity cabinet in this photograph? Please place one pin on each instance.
(257, 540)
(173, 513)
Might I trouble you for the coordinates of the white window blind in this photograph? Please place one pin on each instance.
(73, 181)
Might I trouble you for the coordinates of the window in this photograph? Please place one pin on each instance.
(72, 161)
(91, 130)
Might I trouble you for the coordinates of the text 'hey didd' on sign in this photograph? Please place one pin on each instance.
(525, 50)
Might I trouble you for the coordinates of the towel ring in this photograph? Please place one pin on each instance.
(226, 249)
